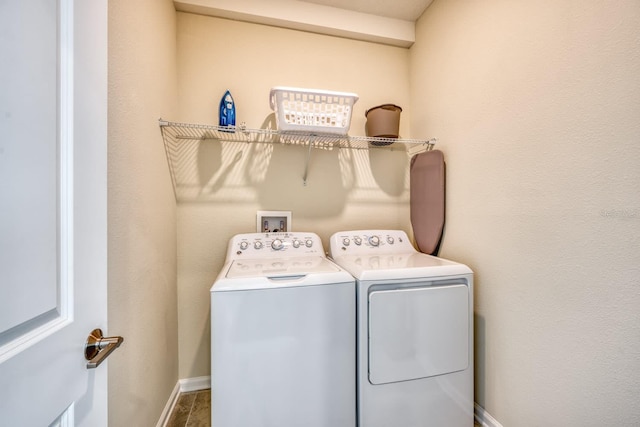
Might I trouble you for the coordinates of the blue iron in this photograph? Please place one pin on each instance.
(227, 111)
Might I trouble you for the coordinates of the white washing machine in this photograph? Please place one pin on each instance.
(415, 331)
(283, 331)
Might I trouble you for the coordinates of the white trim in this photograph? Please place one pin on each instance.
(67, 418)
(26, 340)
(66, 142)
(194, 384)
(187, 385)
(182, 386)
(168, 408)
(304, 16)
(483, 418)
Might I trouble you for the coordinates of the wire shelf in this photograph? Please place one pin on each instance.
(176, 135)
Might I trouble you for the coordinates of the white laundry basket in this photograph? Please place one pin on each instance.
(312, 110)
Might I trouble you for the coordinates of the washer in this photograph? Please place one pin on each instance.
(414, 331)
(283, 335)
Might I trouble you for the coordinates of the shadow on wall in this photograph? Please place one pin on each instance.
(324, 195)
(381, 162)
(202, 356)
(210, 170)
(479, 358)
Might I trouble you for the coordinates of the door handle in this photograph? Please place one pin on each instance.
(98, 347)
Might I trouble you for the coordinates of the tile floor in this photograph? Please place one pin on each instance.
(194, 410)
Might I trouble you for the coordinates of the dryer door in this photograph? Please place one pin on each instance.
(418, 332)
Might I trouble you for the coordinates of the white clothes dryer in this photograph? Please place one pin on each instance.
(415, 331)
(282, 335)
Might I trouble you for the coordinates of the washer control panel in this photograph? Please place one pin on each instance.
(274, 245)
(359, 242)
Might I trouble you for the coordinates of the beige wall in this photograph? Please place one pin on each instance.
(537, 107)
(142, 219)
(226, 183)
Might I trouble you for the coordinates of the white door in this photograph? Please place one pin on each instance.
(53, 113)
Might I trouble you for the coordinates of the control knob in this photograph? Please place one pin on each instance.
(277, 244)
(374, 240)
(390, 240)
(244, 245)
(346, 241)
(296, 243)
(357, 240)
(308, 243)
(257, 244)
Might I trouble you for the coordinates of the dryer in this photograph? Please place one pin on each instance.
(414, 331)
(282, 335)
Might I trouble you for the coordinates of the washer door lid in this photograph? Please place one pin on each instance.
(280, 268)
(418, 332)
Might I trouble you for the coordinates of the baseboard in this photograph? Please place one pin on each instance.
(483, 418)
(182, 386)
(194, 384)
(168, 408)
(186, 385)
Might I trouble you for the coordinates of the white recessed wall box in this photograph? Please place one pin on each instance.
(273, 221)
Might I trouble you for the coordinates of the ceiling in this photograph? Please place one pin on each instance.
(408, 10)
(389, 22)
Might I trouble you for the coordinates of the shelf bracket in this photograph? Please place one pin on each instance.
(306, 165)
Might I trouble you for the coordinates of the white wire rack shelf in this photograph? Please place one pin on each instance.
(174, 133)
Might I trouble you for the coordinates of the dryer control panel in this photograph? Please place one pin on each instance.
(360, 242)
(274, 245)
